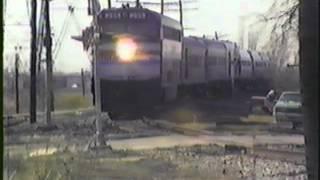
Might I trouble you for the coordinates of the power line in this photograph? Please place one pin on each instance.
(28, 8)
(5, 8)
(64, 29)
(61, 36)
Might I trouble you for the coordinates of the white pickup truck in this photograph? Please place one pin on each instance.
(265, 102)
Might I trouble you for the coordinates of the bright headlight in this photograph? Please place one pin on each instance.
(126, 49)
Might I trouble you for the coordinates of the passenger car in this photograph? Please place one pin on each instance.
(288, 108)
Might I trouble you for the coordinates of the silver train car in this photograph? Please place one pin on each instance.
(193, 74)
(226, 66)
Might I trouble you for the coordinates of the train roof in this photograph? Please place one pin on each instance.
(214, 43)
(244, 55)
(152, 15)
(191, 41)
(256, 56)
(265, 57)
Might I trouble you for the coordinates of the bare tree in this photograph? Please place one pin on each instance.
(300, 17)
(296, 21)
(282, 19)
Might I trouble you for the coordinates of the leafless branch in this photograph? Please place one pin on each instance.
(282, 16)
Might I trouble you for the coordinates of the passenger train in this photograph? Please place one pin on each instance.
(141, 58)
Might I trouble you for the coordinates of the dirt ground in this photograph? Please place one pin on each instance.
(68, 152)
(196, 162)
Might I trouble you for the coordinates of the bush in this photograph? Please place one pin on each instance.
(71, 102)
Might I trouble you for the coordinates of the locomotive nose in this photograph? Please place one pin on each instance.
(126, 49)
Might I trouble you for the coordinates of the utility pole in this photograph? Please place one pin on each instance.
(181, 13)
(162, 6)
(48, 43)
(94, 10)
(216, 35)
(109, 4)
(309, 73)
(33, 63)
(17, 58)
(82, 83)
(137, 3)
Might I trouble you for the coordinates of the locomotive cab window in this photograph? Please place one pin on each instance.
(171, 33)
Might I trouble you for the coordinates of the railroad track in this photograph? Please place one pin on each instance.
(288, 156)
(255, 149)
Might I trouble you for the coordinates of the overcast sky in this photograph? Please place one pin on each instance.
(212, 15)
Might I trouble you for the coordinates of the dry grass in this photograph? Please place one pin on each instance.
(196, 126)
(84, 166)
(182, 115)
(64, 102)
(263, 119)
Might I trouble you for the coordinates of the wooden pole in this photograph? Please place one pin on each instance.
(82, 84)
(33, 63)
(48, 63)
(309, 73)
(181, 13)
(17, 80)
(216, 35)
(92, 83)
(89, 7)
(109, 4)
(162, 7)
(99, 133)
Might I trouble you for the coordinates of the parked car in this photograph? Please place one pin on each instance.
(288, 109)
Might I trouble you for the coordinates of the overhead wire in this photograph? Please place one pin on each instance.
(65, 27)
(77, 23)
(61, 36)
(4, 9)
(40, 35)
(28, 9)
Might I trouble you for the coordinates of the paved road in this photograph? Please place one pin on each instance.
(181, 140)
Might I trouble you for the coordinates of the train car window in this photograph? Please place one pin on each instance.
(194, 61)
(206, 62)
(246, 63)
(186, 72)
(146, 29)
(222, 62)
(212, 62)
(172, 34)
(218, 62)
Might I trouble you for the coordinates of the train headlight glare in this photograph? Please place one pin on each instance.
(126, 49)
